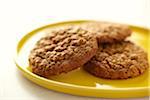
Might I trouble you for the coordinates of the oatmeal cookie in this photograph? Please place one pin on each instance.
(108, 32)
(120, 60)
(62, 50)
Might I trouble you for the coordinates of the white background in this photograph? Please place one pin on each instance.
(17, 17)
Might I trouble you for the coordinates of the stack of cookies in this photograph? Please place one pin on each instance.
(100, 48)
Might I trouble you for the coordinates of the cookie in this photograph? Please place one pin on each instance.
(120, 60)
(62, 50)
(108, 32)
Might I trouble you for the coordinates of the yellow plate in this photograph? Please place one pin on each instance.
(79, 82)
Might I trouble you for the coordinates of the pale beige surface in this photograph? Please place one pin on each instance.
(19, 17)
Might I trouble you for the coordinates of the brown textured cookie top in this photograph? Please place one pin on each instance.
(118, 61)
(108, 32)
(62, 50)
